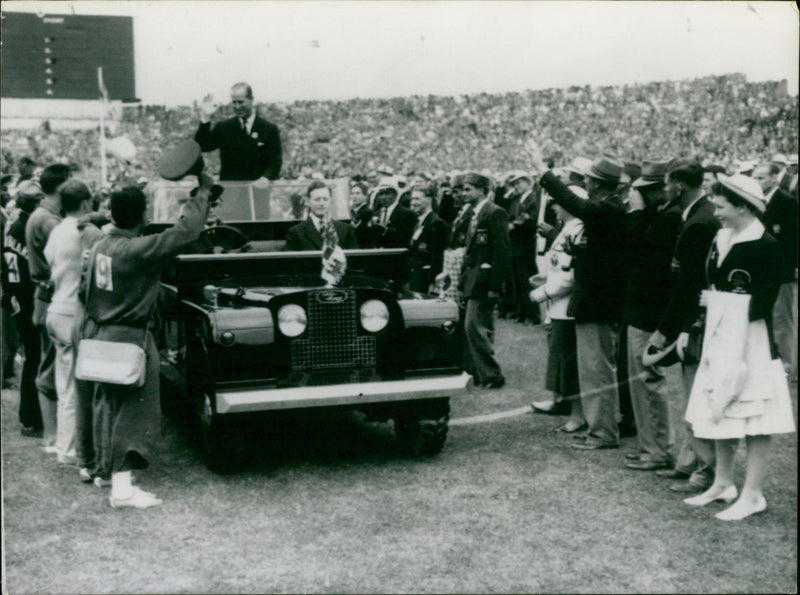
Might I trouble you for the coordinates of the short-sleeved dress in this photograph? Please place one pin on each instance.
(740, 388)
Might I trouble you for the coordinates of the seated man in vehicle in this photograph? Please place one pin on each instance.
(308, 235)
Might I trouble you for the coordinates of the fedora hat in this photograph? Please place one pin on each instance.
(180, 161)
(664, 357)
(579, 165)
(653, 172)
(606, 169)
(746, 188)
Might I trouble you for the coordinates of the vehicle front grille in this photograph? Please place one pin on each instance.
(332, 340)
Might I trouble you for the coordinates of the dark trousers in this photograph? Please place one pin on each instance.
(30, 414)
(627, 422)
(479, 330)
(519, 304)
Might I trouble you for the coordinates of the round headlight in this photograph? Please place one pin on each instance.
(374, 315)
(292, 320)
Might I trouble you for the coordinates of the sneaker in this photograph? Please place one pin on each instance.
(137, 499)
(84, 475)
(51, 450)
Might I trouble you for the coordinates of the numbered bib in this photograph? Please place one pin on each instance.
(102, 272)
(12, 267)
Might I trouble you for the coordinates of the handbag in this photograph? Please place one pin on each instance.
(110, 362)
(694, 348)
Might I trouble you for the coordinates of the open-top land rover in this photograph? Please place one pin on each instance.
(248, 328)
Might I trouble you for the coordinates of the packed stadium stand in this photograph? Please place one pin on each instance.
(720, 119)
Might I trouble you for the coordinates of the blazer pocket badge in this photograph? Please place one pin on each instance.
(482, 238)
(776, 229)
(423, 246)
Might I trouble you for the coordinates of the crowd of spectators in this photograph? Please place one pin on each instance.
(717, 119)
(658, 242)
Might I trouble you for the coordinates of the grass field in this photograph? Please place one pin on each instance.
(334, 507)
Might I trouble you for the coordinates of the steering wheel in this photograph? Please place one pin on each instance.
(223, 238)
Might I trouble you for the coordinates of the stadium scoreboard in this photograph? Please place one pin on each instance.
(57, 56)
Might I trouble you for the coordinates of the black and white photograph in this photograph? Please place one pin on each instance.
(383, 296)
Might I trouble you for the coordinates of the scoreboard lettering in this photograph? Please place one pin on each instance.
(47, 56)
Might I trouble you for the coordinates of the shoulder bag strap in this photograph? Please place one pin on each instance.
(89, 273)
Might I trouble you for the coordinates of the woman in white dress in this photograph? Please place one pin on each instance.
(740, 390)
(553, 287)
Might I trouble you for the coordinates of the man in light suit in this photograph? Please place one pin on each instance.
(308, 234)
(249, 146)
(427, 242)
(487, 266)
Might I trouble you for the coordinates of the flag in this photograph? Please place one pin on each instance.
(334, 261)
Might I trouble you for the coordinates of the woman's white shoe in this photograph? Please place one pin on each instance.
(729, 494)
(740, 511)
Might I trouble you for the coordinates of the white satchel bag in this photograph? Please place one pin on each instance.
(110, 362)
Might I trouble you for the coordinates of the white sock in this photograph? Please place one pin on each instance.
(121, 486)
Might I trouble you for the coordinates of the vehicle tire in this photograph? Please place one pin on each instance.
(421, 427)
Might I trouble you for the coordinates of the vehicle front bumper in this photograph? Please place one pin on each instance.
(273, 399)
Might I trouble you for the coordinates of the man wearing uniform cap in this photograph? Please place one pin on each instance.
(781, 220)
(652, 230)
(485, 272)
(598, 294)
(249, 146)
(684, 188)
(42, 221)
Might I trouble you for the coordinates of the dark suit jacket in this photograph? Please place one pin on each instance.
(651, 236)
(426, 252)
(781, 220)
(446, 209)
(487, 262)
(242, 156)
(689, 269)
(600, 266)
(400, 228)
(361, 220)
(304, 236)
(524, 214)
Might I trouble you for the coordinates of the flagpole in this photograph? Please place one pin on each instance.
(103, 99)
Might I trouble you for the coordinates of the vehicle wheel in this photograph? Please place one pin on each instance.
(216, 439)
(421, 428)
